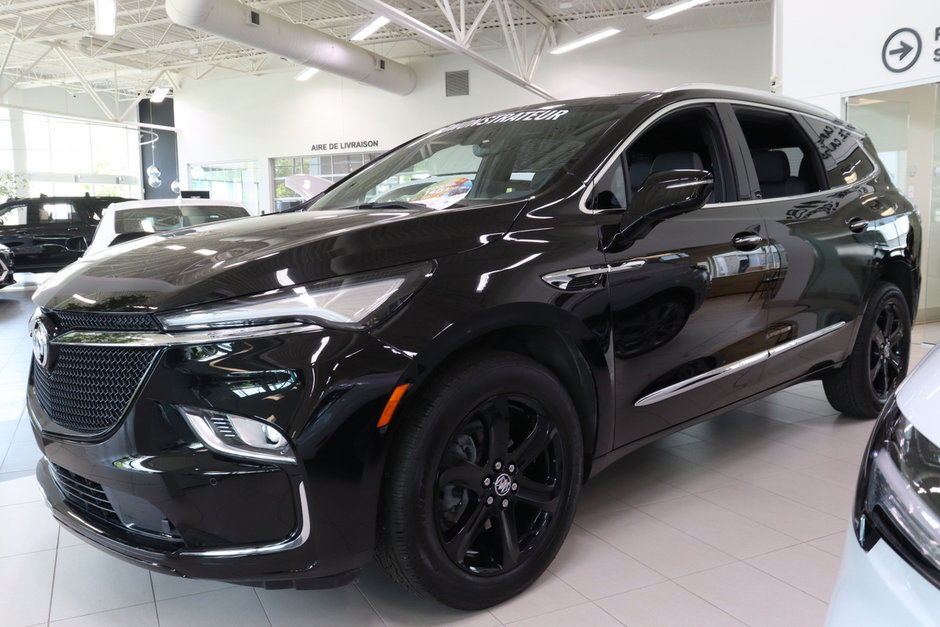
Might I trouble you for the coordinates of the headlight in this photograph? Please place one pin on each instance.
(239, 436)
(356, 301)
(900, 484)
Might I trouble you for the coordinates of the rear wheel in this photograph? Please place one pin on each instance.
(879, 359)
(482, 483)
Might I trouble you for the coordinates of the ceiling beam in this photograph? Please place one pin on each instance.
(404, 20)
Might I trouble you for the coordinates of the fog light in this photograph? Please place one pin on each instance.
(239, 436)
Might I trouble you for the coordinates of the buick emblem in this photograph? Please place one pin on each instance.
(502, 484)
(41, 344)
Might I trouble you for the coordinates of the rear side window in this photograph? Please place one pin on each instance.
(57, 213)
(785, 161)
(841, 152)
(14, 215)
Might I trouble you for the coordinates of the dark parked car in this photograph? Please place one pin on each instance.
(6, 267)
(50, 232)
(427, 362)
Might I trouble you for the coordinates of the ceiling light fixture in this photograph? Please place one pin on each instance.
(369, 28)
(106, 17)
(587, 39)
(159, 95)
(306, 73)
(673, 8)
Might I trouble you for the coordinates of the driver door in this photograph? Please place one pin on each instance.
(687, 312)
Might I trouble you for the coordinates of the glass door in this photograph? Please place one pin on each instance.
(904, 124)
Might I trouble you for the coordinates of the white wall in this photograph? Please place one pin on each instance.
(257, 118)
(833, 48)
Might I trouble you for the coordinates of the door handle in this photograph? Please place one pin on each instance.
(746, 241)
(857, 225)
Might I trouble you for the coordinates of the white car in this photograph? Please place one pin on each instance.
(124, 221)
(890, 571)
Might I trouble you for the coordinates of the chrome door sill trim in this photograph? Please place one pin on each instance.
(707, 377)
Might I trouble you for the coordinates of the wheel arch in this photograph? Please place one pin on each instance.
(900, 273)
(544, 333)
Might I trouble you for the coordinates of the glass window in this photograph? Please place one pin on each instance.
(155, 219)
(784, 160)
(227, 181)
(50, 213)
(839, 148)
(495, 157)
(330, 167)
(610, 191)
(683, 140)
(14, 215)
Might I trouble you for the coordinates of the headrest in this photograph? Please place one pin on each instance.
(772, 166)
(677, 160)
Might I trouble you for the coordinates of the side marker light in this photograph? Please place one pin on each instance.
(392, 404)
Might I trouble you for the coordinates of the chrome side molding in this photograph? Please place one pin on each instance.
(728, 369)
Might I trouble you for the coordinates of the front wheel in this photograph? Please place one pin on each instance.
(879, 359)
(482, 484)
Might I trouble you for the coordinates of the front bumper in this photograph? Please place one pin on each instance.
(148, 491)
(880, 588)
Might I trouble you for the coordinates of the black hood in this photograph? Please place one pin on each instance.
(254, 255)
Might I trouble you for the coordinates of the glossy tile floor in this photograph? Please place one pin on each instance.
(739, 520)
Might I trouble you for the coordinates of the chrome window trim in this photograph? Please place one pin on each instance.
(181, 338)
(624, 145)
(718, 373)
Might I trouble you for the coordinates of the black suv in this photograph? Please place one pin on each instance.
(428, 360)
(50, 232)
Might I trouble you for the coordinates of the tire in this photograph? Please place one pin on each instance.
(879, 358)
(482, 483)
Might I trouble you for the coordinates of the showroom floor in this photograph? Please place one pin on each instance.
(739, 520)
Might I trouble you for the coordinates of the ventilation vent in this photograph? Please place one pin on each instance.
(457, 83)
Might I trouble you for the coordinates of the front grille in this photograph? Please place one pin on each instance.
(95, 321)
(84, 494)
(89, 387)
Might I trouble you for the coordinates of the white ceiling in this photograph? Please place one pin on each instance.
(49, 42)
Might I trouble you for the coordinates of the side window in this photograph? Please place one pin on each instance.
(784, 159)
(845, 160)
(57, 213)
(610, 192)
(688, 139)
(14, 215)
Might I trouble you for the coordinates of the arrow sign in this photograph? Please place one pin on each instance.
(904, 50)
(901, 50)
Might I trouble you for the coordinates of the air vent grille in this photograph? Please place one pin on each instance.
(457, 83)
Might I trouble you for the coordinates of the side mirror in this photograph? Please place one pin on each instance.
(672, 192)
(663, 195)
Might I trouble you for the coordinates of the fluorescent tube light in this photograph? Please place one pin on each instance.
(105, 17)
(673, 8)
(587, 39)
(369, 28)
(159, 94)
(306, 73)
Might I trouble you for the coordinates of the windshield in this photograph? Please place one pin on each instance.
(156, 219)
(490, 158)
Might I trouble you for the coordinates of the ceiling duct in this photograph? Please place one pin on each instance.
(295, 42)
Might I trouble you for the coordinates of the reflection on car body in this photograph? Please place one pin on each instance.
(426, 361)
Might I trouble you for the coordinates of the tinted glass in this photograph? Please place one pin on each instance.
(784, 159)
(491, 158)
(14, 215)
(844, 159)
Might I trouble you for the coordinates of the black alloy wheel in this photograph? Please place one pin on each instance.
(498, 484)
(482, 483)
(879, 358)
(888, 348)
